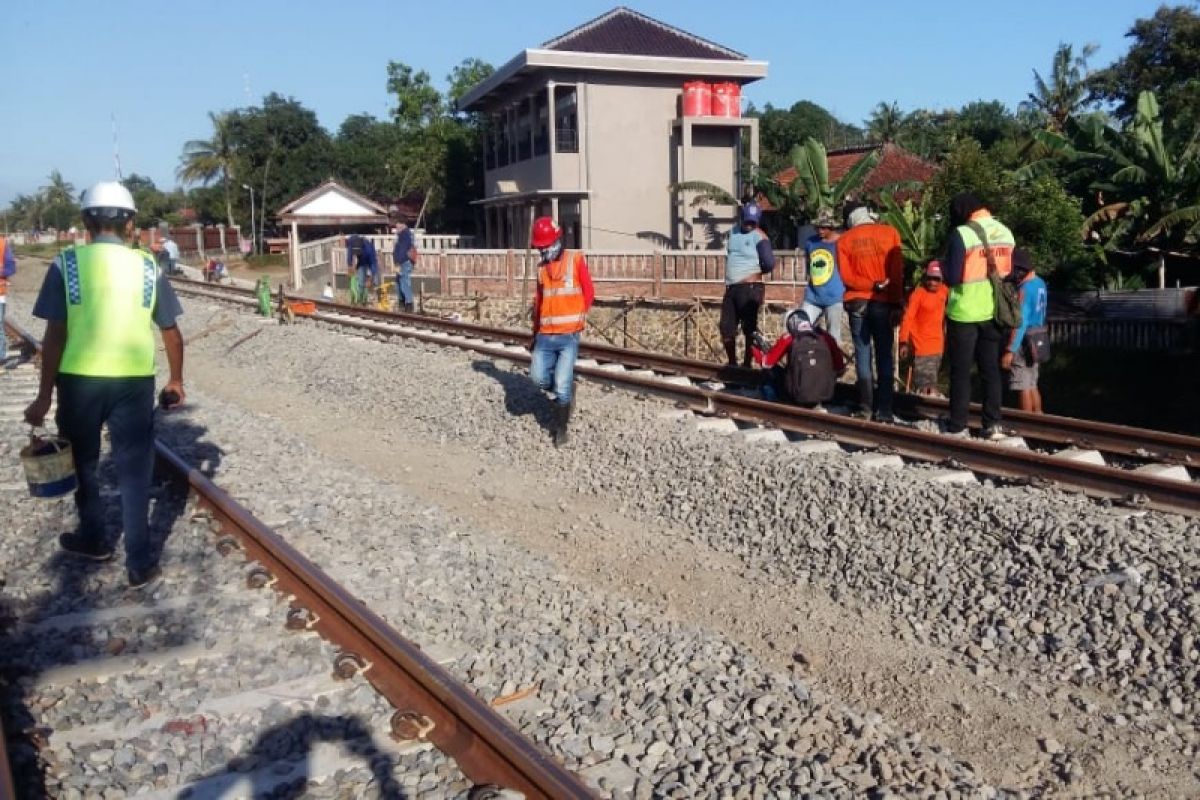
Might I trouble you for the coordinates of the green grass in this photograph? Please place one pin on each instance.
(266, 261)
(40, 250)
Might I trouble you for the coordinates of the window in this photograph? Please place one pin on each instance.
(541, 125)
(566, 120)
(503, 156)
(524, 129)
(569, 219)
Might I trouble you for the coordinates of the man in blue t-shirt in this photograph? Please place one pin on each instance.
(825, 288)
(404, 256)
(361, 258)
(1017, 360)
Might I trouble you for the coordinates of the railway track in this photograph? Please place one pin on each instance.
(1138, 467)
(89, 637)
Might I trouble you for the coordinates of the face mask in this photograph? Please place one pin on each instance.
(552, 252)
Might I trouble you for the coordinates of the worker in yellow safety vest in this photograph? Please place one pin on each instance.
(564, 295)
(101, 302)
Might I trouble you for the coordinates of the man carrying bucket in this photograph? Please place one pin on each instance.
(100, 303)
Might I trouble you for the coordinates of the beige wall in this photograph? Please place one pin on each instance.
(629, 156)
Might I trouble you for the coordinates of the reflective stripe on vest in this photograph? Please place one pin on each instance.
(562, 309)
(972, 300)
(110, 292)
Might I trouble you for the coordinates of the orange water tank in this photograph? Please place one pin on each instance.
(697, 99)
(726, 100)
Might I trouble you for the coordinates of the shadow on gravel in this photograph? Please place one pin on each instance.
(281, 762)
(58, 628)
(521, 396)
(186, 438)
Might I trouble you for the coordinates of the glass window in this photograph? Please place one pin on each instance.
(524, 129)
(566, 120)
(541, 124)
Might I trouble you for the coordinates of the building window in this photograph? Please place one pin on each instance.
(524, 129)
(570, 220)
(541, 125)
(489, 144)
(566, 120)
(501, 133)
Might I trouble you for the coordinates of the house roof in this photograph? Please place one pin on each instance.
(624, 42)
(624, 31)
(895, 165)
(332, 203)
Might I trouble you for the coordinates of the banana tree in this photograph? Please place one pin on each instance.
(916, 222)
(797, 199)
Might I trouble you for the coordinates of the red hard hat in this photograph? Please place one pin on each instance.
(545, 232)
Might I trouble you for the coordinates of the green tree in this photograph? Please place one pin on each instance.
(57, 206)
(1064, 94)
(418, 103)
(782, 129)
(464, 77)
(885, 123)
(1048, 222)
(153, 205)
(986, 121)
(1164, 58)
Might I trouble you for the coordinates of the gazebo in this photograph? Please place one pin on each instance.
(328, 210)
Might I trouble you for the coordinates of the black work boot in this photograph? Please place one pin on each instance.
(866, 397)
(562, 416)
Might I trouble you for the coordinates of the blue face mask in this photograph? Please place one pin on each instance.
(552, 252)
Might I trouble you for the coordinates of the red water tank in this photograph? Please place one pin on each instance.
(726, 100)
(697, 99)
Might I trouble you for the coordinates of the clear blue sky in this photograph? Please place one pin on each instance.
(68, 67)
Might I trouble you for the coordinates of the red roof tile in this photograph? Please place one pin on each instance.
(623, 31)
(895, 166)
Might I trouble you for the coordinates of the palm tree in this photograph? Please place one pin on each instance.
(1064, 94)
(885, 123)
(204, 160)
(58, 190)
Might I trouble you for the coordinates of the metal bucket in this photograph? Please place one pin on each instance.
(49, 467)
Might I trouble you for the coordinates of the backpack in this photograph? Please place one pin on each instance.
(810, 377)
(1007, 311)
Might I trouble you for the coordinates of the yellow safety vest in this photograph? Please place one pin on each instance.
(111, 291)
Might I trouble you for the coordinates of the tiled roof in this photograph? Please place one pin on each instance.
(895, 165)
(623, 31)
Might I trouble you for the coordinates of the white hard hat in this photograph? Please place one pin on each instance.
(108, 199)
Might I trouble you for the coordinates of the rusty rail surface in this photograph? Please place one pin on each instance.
(431, 703)
(1103, 481)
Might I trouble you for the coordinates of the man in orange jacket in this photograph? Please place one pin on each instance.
(922, 329)
(564, 295)
(872, 267)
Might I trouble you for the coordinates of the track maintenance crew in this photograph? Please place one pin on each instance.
(100, 303)
(564, 295)
(362, 259)
(824, 293)
(1021, 359)
(972, 333)
(922, 329)
(748, 258)
(404, 256)
(8, 267)
(872, 267)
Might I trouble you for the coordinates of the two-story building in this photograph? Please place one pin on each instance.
(590, 128)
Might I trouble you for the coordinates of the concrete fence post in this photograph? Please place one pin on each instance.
(221, 234)
(443, 268)
(509, 271)
(659, 266)
(199, 239)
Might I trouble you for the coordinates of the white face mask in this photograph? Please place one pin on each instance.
(552, 252)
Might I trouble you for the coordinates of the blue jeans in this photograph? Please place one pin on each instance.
(553, 364)
(833, 317)
(126, 405)
(873, 329)
(404, 284)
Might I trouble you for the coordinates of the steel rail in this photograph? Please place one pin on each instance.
(1139, 443)
(1018, 463)
(431, 703)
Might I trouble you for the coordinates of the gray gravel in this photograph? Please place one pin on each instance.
(1014, 579)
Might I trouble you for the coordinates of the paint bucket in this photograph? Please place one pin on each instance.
(49, 467)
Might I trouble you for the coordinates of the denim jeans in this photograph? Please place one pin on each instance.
(833, 317)
(553, 364)
(404, 290)
(873, 329)
(126, 405)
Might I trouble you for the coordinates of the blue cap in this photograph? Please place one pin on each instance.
(751, 213)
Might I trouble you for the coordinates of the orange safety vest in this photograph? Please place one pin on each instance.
(562, 309)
